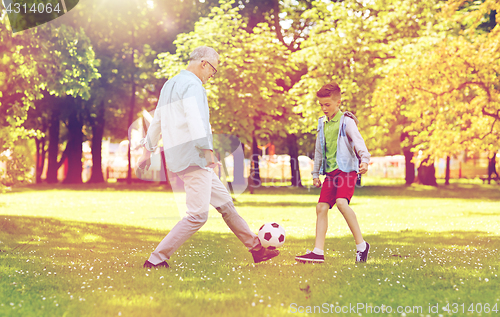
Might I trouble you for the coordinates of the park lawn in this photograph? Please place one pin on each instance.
(79, 250)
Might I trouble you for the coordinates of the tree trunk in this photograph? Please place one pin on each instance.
(74, 147)
(409, 165)
(130, 121)
(447, 173)
(53, 149)
(97, 133)
(293, 151)
(492, 167)
(427, 173)
(239, 166)
(131, 113)
(254, 180)
(40, 158)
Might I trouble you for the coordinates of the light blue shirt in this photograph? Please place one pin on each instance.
(183, 119)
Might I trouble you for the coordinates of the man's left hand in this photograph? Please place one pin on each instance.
(144, 161)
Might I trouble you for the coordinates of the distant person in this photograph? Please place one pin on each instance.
(492, 167)
(182, 118)
(337, 143)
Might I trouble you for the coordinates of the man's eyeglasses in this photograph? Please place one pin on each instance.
(215, 70)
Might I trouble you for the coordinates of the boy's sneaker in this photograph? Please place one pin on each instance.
(264, 254)
(361, 256)
(150, 265)
(310, 257)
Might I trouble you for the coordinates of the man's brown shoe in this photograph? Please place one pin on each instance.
(150, 265)
(264, 254)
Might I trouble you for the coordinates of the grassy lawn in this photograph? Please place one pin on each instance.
(79, 250)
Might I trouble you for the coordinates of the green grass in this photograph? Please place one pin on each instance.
(79, 250)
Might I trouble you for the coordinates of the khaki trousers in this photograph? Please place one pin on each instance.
(203, 188)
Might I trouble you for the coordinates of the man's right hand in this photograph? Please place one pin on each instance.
(211, 159)
(317, 182)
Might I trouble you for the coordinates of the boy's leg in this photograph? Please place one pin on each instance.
(318, 255)
(326, 199)
(350, 218)
(321, 224)
(345, 189)
(197, 185)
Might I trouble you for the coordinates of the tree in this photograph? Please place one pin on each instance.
(244, 96)
(78, 69)
(134, 33)
(57, 61)
(450, 94)
(356, 44)
(291, 27)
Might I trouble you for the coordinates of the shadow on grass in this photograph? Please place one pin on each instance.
(28, 234)
(212, 273)
(111, 187)
(463, 191)
(271, 204)
(21, 236)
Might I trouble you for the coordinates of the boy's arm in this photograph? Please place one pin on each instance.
(318, 158)
(358, 142)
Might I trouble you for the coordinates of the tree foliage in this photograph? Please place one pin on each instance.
(449, 95)
(355, 44)
(59, 61)
(244, 96)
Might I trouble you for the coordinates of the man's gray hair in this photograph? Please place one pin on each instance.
(204, 52)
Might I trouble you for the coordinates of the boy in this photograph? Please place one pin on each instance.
(337, 143)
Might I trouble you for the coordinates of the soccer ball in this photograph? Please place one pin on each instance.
(271, 235)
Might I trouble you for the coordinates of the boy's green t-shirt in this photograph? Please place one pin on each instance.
(331, 135)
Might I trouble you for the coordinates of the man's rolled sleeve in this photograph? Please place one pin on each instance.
(147, 144)
(151, 139)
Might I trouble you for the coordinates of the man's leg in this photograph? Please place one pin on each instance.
(223, 202)
(197, 185)
(182, 231)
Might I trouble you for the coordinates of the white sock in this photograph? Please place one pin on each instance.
(318, 251)
(361, 247)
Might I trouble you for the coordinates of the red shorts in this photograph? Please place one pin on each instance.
(338, 184)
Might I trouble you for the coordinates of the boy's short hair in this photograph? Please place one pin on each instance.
(331, 89)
